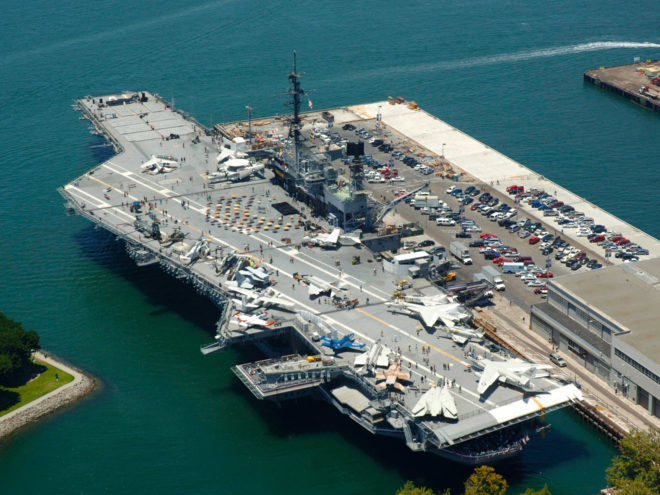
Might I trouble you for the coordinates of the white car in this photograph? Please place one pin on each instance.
(398, 179)
(450, 189)
(445, 222)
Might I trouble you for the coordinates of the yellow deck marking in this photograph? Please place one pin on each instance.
(537, 403)
(101, 182)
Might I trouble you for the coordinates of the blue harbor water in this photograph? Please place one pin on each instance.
(168, 420)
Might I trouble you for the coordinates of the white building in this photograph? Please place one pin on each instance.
(609, 320)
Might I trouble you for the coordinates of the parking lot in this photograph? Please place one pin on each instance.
(409, 176)
(392, 166)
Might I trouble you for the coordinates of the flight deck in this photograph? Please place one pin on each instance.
(255, 249)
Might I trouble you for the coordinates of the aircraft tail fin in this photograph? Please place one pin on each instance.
(528, 376)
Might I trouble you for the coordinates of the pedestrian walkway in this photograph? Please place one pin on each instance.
(513, 326)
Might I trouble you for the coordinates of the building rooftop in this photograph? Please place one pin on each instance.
(625, 294)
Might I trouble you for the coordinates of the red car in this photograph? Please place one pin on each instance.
(545, 275)
(623, 242)
(486, 235)
(474, 207)
(541, 290)
(505, 260)
(598, 238)
(534, 240)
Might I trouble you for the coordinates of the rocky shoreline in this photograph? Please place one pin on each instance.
(80, 387)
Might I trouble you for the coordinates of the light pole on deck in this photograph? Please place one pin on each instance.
(443, 150)
(249, 109)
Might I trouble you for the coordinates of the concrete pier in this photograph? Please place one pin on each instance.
(488, 166)
(628, 81)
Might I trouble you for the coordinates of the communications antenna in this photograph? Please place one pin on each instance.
(295, 125)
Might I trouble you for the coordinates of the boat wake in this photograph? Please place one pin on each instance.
(551, 52)
(115, 32)
(509, 57)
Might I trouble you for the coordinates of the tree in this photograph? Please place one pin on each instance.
(638, 461)
(409, 488)
(16, 345)
(542, 491)
(635, 487)
(485, 481)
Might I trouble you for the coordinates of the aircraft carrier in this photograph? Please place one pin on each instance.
(278, 231)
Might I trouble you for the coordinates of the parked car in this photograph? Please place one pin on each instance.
(426, 243)
(445, 222)
(463, 235)
(557, 359)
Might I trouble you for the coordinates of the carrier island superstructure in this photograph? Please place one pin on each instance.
(275, 229)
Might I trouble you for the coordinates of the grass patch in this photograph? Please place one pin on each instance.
(13, 397)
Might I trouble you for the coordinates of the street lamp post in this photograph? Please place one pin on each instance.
(443, 150)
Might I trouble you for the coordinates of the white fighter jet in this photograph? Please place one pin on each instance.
(235, 171)
(377, 356)
(200, 248)
(435, 402)
(430, 300)
(449, 314)
(514, 371)
(326, 241)
(233, 166)
(352, 239)
(227, 154)
(250, 277)
(317, 286)
(243, 321)
(334, 239)
(159, 165)
(251, 300)
(461, 334)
